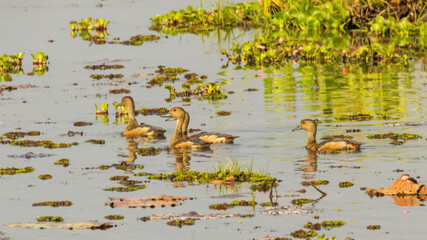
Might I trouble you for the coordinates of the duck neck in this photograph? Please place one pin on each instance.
(185, 124)
(311, 139)
(132, 123)
(177, 134)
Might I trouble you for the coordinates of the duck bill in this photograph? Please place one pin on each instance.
(168, 117)
(297, 128)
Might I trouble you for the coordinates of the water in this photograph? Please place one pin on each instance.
(262, 119)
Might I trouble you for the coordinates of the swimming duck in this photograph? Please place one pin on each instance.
(328, 145)
(211, 137)
(178, 140)
(133, 129)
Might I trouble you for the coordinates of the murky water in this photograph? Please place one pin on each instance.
(263, 119)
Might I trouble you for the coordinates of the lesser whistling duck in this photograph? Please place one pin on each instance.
(211, 137)
(328, 145)
(178, 140)
(133, 129)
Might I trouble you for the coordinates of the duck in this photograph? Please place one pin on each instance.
(178, 141)
(133, 129)
(211, 137)
(333, 144)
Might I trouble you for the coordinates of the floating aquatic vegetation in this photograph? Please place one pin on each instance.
(345, 184)
(64, 162)
(54, 204)
(336, 136)
(120, 110)
(96, 141)
(29, 155)
(206, 177)
(108, 76)
(180, 223)
(82, 124)
(86, 24)
(16, 135)
(223, 113)
(303, 234)
(356, 117)
(13, 171)
(129, 182)
(40, 58)
(39, 69)
(301, 201)
(140, 174)
(119, 91)
(395, 136)
(49, 219)
(316, 183)
(131, 188)
(104, 67)
(114, 217)
(332, 224)
(68, 226)
(373, 227)
(313, 226)
(263, 186)
(121, 166)
(152, 111)
(42, 143)
(207, 91)
(138, 40)
(119, 178)
(144, 202)
(150, 151)
(103, 110)
(225, 206)
(10, 64)
(45, 176)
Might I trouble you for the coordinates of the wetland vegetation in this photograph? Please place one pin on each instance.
(256, 68)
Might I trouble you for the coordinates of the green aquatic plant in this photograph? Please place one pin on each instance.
(49, 219)
(206, 177)
(149, 151)
(102, 110)
(225, 206)
(395, 136)
(42, 143)
(131, 188)
(96, 141)
(373, 227)
(179, 223)
(114, 217)
(86, 24)
(64, 162)
(54, 204)
(13, 171)
(301, 201)
(303, 234)
(40, 58)
(45, 177)
(16, 135)
(345, 184)
(316, 183)
(152, 111)
(104, 67)
(332, 224)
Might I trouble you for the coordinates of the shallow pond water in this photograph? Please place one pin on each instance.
(262, 119)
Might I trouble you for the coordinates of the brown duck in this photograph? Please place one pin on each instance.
(133, 129)
(333, 144)
(178, 141)
(211, 137)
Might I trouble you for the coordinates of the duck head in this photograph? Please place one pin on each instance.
(307, 124)
(128, 102)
